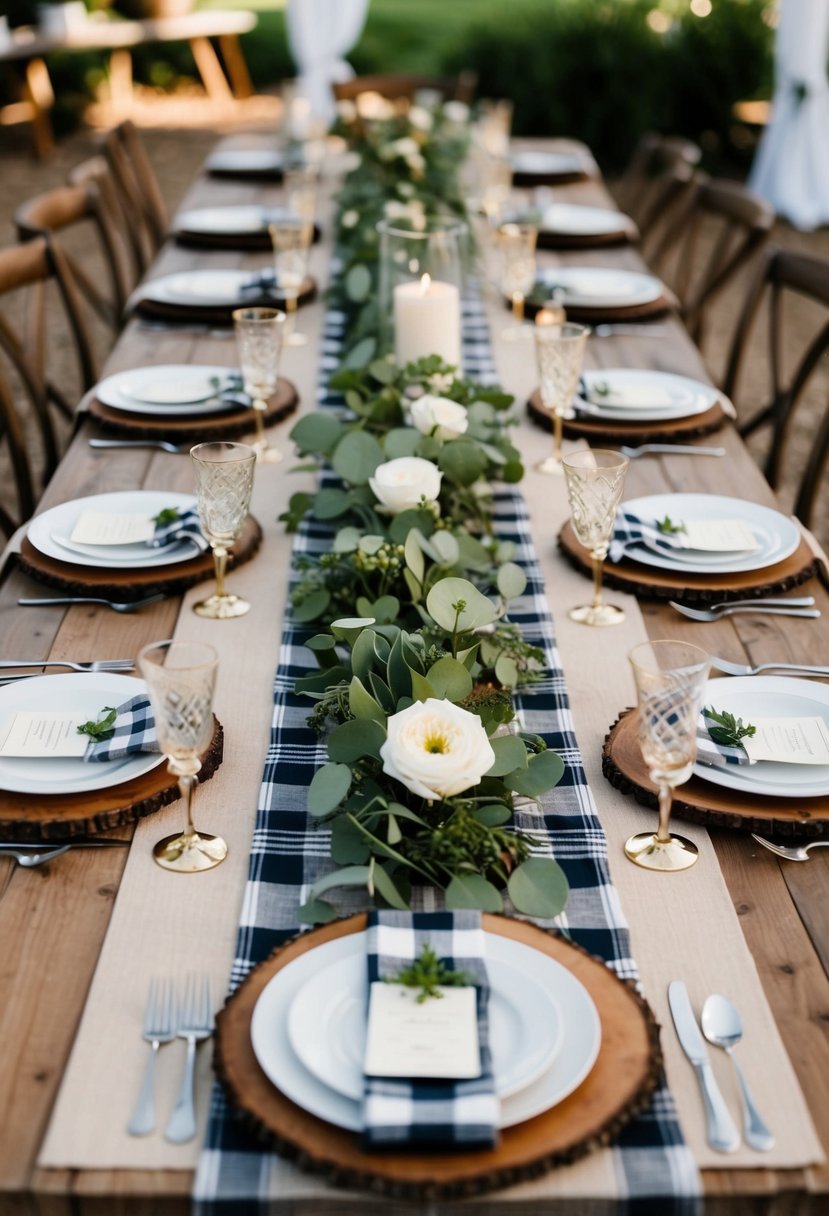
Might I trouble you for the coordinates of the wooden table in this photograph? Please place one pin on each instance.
(29, 49)
(57, 922)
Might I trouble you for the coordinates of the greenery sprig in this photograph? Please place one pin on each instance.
(669, 527)
(168, 515)
(104, 728)
(430, 973)
(728, 729)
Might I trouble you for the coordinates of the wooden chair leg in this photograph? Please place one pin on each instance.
(210, 69)
(37, 91)
(235, 65)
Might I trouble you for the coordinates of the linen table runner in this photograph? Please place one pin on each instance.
(289, 853)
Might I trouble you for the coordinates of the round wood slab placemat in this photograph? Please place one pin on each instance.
(220, 314)
(605, 430)
(262, 172)
(33, 818)
(259, 241)
(135, 584)
(701, 801)
(619, 1086)
(550, 177)
(596, 314)
(230, 423)
(653, 582)
(549, 239)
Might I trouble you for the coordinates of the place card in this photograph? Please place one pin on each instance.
(789, 741)
(109, 528)
(44, 733)
(436, 1038)
(717, 536)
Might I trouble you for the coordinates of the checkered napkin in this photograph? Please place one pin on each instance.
(630, 531)
(134, 732)
(718, 754)
(261, 284)
(186, 526)
(443, 1113)
(654, 1169)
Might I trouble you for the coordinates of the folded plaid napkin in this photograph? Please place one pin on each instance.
(630, 530)
(719, 754)
(134, 732)
(263, 283)
(186, 526)
(399, 1112)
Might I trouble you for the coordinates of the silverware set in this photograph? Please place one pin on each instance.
(790, 852)
(115, 605)
(793, 606)
(31, 855)
(668, 449)
(168, 1016)
(722, 1027)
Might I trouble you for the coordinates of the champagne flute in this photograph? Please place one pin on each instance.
(671, 678)
(559, 351)
(181, 677)
(224, 481)
(595, 479)
(259, 342)
(300, 184)
(291, 238)
(516, 249)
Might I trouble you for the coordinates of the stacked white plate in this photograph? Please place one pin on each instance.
(571, 219)
(167, 388)
(548, 164)
(309, 1024)
(626, 394)
(600, 287)
(200, 288)
(245, 160)
(229, 221)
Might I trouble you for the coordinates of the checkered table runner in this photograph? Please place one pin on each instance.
(655, 1171)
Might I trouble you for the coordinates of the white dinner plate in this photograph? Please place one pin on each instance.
(327, 1026)
(85, 693)
(600, 287)
(638, 394)
(552, 163)
(200, 288)
(580, 1042)
(60, 521)
(776, 535)
(753, 697)
(168, 388)
(245, 160)
(228, 221)
(571, 219)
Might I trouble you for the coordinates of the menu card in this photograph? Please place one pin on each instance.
(108, 528)
(44, 733)
(789, 741)
(436, 1038)
(716, 536)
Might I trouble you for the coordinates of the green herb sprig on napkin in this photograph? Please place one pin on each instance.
(167, 516)
(427, 972)
(103, 728)
(728, 731)
(669, 527)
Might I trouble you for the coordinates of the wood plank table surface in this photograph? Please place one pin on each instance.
(53, 921)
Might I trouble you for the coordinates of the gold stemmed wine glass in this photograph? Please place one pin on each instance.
(670, 685)
(181, 677)
(516, 251)
(291, 237)
(595, 479)
(559, 351)
(224, 481)
(259, 342)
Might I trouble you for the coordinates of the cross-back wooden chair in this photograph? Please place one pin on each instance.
(656, 175)
(138, 190)
(28, 393)
(95, 171)
(81, 206)
(783, 275)
(738, 224)
(451, 88)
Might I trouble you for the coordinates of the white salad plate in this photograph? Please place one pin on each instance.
(200, 288)
(59, 522)
(636, 394)
(753, 697)
(228, 221)
(572, 1061)
(85, 693)
(600, 287)
(548, 162)
(777, 536)
(572, 219)
(245, 160)
(169, 388)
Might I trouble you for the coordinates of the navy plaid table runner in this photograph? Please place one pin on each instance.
(655, 1171)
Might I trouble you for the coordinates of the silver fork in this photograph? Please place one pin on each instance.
(717, 614)
(163, 444)
(159, 1027)
(746, 669)
(196, 1023)
(796, 852)
(28, 860)
(115, 605)
(629, 331)
(95, 665)
(672, 449)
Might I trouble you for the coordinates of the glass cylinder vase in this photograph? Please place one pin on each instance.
(420, 287)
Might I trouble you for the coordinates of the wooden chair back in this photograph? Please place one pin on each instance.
(95, 171)
(139, 194)
(68, 207)
(661, 165)
(738, 224)
(451, 88)
(785, 274)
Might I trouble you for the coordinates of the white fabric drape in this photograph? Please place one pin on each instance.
(320, 34)
(791, 169)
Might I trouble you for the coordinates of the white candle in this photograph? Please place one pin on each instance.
(427, 321)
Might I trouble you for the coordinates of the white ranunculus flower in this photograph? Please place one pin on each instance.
(350, 219)
(420, 118)
(439, 416)
(456, 111)
(416, 162)
(403, 147)
(401, 484)
(436, 749)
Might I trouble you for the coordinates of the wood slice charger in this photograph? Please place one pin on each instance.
(33, 818)
(620, 1085)
(654, 582)
(195, 428)
(702, 802)
(593, 314)
(219, 314)
(604, 430)
(135, 583)
(259, 241)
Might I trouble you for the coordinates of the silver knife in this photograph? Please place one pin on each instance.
(36, 846)
(722, 1131)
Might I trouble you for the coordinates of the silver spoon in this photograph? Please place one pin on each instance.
(722, 1026)
(35, 859)
(162, 444)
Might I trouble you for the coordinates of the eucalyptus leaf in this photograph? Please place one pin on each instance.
(331, 502)
(384, 886)
(321, 641)
(317, 432)
(349, 876)
(446, 548)
(538, 887)
(329, 786)
(492, 816)
(457, 606)
(348, 844)
(506, 671)
(355, 739)
(473, 891)
(316, 912)
(370, 544)
(384, 371)
(512, 580)
(358, 283)
(360, 354)
(349, 628)
(346, 540)
(510, 754)
(356, 457)
(414, 555)
(402, 441)
(462, 461)
(543, 772)
(312, 606)
(450, 679)
(362, 704)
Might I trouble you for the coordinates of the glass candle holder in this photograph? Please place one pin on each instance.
(421, 281)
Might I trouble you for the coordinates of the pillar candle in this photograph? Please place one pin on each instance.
(427, 321)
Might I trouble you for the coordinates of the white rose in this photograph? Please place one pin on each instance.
(439, 416)
(456, 111)
(420, 118)
(401, 484)
(416, 163)
(351, 219)
(436, 749)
